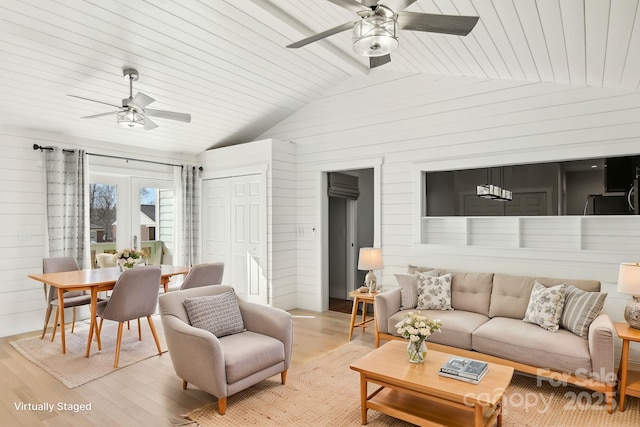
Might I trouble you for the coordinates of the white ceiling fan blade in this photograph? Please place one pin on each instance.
(140, 101)
(182, 117)
(93, 100)
(331, 31)
(110, 113)
(148, 123)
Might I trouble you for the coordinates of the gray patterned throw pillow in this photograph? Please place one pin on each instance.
(218, 314)
(434, 293)
(545, 306)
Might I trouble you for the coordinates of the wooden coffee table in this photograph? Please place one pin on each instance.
(417, 394)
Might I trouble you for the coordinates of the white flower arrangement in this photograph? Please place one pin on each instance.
(127, 258)
(417, 328)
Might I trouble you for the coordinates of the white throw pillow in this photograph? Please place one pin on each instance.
(545, 306)
(434, 293)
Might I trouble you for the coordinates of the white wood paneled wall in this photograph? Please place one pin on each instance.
(281, 223)
(22, 234)
(422, 122)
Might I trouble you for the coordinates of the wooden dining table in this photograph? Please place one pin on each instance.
(95, 281)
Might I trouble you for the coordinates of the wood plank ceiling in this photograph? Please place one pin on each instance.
(225, 63)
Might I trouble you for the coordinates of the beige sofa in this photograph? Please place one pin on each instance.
(486, 322)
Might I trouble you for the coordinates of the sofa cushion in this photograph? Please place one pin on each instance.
(580, 309)
(456, 330)
(434, 293)
(527, 343)
(248, 352)
(471, 292)
(218, 314)
(545, 306)
(510, 295)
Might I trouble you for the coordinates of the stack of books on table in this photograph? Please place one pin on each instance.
(464, 369)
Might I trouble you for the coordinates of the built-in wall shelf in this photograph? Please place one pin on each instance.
(572, 233)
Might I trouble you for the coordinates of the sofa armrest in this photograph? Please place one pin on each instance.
(196, 355)
(269, 321)
(385, 305)
(601, 349)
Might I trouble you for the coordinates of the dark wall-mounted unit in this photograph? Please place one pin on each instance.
(620, 173)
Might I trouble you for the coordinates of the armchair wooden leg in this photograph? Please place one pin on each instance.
(55, 324)
(283, 377)
(139, 331)
(184, 384)
(222, 405)
(153, 331)
(118, 343)
(47, 316)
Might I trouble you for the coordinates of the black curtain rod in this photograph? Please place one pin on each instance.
(42, 148)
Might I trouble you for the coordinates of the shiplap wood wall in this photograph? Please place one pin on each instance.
(421, 122)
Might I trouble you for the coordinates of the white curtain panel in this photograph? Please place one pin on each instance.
(66, 174)
(188, 215)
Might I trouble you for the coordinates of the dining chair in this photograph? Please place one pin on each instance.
(135, 295)
(71, 298)
(105, 260)
(204, 275)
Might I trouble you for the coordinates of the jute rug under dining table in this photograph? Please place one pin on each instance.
(73, 369)
(326, 392)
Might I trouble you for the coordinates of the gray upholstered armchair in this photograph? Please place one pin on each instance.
(224, 366)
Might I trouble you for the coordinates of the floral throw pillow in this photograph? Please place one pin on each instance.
(408, 284)
(434, 293)
(545, 306)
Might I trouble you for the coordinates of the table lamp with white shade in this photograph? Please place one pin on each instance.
(370, 259)
(629, 283)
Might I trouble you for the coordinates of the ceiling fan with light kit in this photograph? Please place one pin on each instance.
(375, 35)
(133, 112)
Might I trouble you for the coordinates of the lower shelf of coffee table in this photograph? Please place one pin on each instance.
(416, 409)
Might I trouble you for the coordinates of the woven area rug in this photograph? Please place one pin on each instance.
(73, 368)
(325, 392)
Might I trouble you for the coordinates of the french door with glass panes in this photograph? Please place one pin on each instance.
(128, 212)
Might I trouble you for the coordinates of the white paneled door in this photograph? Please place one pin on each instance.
(234, 228)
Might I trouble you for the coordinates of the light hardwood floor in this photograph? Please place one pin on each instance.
(147, 393)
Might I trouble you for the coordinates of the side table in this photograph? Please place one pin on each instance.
(365, 298)
(629, 381)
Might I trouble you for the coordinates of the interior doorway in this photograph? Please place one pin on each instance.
(351, 227)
